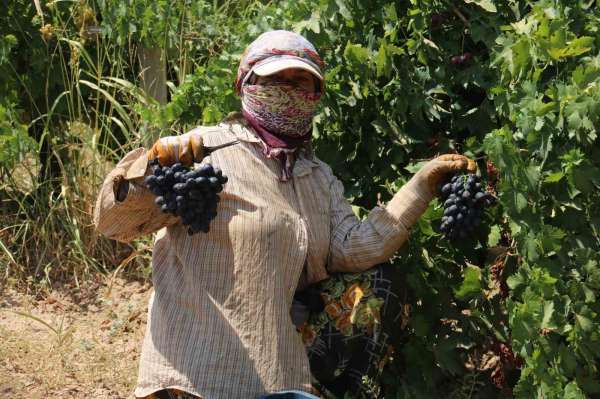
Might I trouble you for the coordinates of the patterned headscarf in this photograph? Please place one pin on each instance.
(280, 114)
(277, 45)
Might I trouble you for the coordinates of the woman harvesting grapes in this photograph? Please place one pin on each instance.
(219, 324)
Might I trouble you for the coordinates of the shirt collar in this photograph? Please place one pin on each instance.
(242, 130)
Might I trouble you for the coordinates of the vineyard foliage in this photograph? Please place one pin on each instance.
(514, 84)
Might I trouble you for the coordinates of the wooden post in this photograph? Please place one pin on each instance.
(153, 63)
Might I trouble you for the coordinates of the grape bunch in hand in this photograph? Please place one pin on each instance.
(191, 194)
(465, 201)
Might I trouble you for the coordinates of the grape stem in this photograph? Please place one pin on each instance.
(208, 150)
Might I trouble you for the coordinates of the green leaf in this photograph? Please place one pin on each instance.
(311, 24)
(551, 238)
(356, 54)
(7, 43)
(515, 281)
(531, 248)
(519, 201)
(576, 47)
(572, 391)
(585, 323)
(471, 285)
(494, 236)
(487, 5)
(548, 313)
(590, 296)
(554, 177)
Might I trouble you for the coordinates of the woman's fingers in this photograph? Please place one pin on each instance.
(451, 157)
(197, 146)
(166, 150)
(458, 162)
(471, 166)
(186, 153)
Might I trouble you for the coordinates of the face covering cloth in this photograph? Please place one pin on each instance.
(282, 116)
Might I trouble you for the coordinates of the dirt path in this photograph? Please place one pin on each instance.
(78, 343)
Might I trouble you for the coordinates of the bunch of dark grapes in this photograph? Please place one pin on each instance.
(191, 194)
(464, 203)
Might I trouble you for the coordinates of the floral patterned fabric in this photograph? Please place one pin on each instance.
(277, 44)
(280, 108)
(349, 340)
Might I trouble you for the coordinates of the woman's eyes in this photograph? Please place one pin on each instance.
(299, 80)
(303, 77)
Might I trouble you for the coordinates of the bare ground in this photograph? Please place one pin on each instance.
(73, 343)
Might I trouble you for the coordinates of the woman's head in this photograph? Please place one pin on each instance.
(280, 55)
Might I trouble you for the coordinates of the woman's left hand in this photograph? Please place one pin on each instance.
(436, 170)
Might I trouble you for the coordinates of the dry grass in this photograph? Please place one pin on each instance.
(74, 343)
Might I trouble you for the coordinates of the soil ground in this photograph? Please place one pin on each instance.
(74, 343)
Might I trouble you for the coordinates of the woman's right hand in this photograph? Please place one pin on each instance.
(185, 149)
(436, 170)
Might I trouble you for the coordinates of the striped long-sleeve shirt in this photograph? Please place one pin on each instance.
(218, 321)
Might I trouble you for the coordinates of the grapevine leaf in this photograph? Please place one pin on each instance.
(548, 313)
(311, 24)
(576, 47)
(530, 247)
(471, 285)
(568, 360)
(515, 281)
(572, 391)
(519, 201)
(590, 296)
(585, 323)
(487, 5)
(551, 238)
(494, 236)
(554, 177)
(356, 54)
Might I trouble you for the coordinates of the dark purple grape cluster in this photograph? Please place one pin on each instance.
(465, 200)
(191, 194)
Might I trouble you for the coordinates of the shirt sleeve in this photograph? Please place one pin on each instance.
(359, 245)
(137, 214)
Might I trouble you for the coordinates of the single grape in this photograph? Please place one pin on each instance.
(179, 188)
(177, 167)
(150, 180)
(451, 210)
(201, 181)
(206, 170)
(195, 194)
(446, 189)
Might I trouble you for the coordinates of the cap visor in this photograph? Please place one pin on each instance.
(274, 66)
